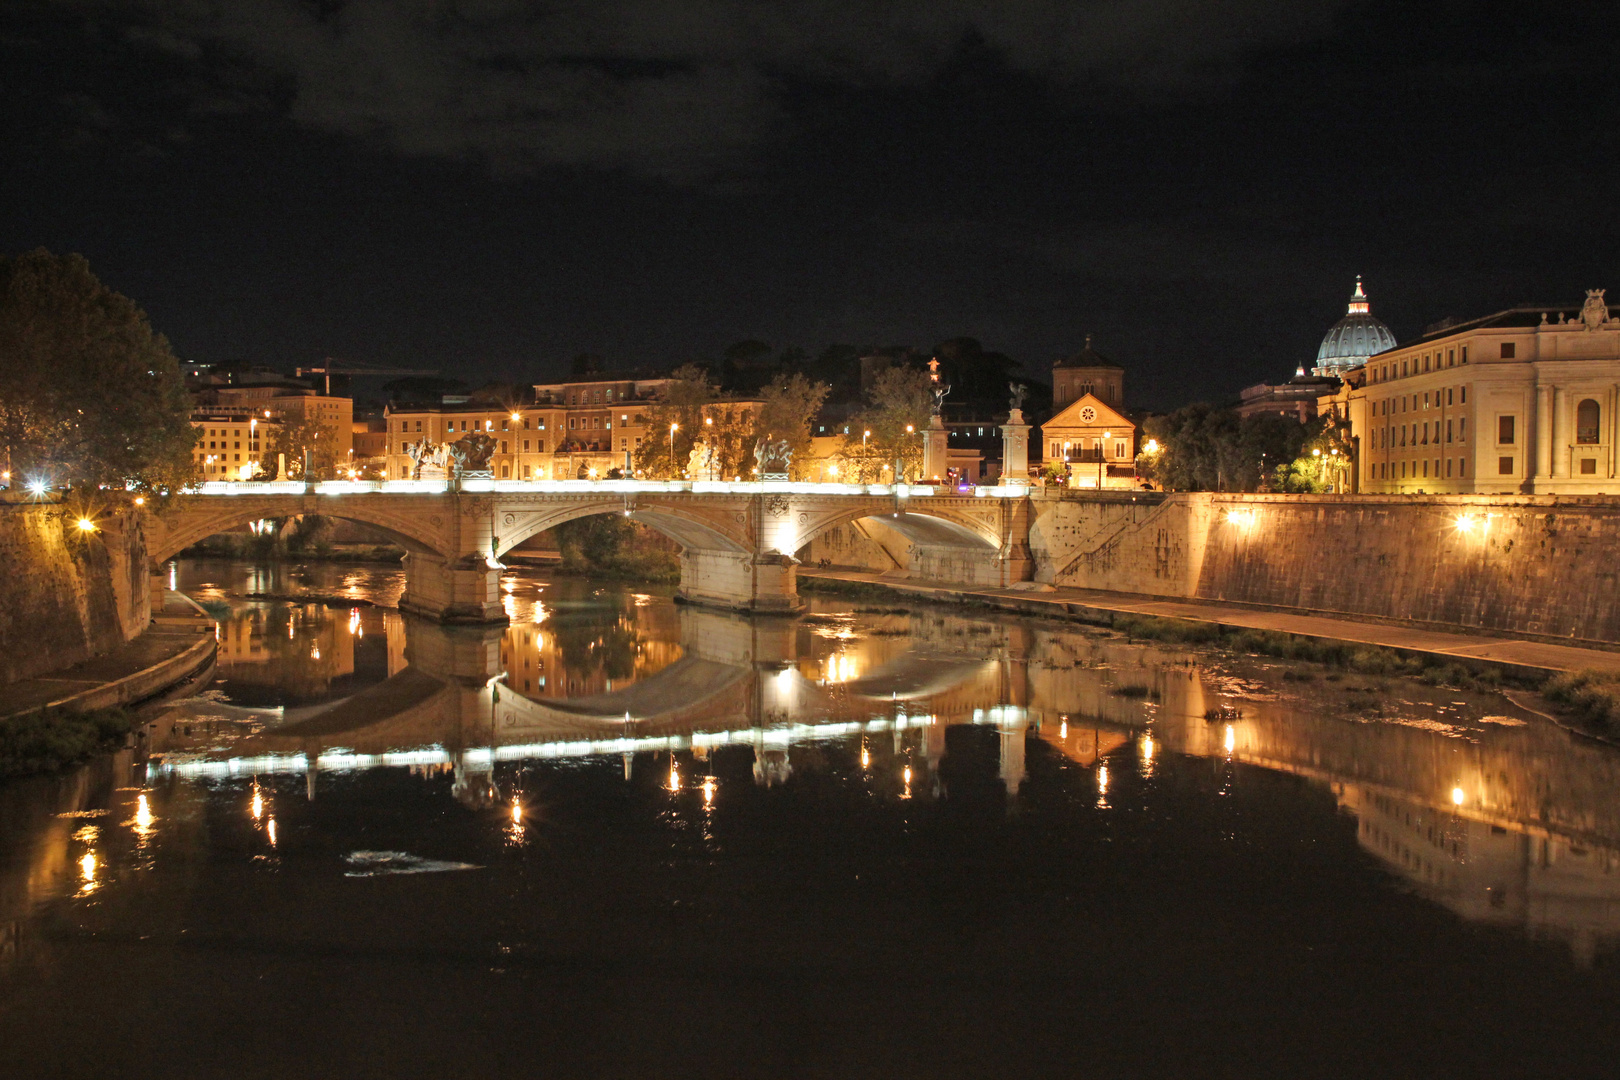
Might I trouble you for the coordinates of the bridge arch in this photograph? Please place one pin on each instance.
(717, 530)
(173, 532)
(922, 525)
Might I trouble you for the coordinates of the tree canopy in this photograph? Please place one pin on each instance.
(90, 396)
(900, 398)
(1204, 448)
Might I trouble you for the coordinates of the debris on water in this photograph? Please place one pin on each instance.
(377, 863)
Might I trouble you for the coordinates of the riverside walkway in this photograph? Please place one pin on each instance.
(1098, 606)
(178, 645)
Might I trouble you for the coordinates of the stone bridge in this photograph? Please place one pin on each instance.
(739, 542)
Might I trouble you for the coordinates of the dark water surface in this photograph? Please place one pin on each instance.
(624, 838)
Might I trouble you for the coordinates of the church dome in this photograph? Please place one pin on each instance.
(1353, 338)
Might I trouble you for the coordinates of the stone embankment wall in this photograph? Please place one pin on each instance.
(1542, 565)
(66, 596)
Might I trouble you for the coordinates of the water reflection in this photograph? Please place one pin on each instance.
(1475, 805)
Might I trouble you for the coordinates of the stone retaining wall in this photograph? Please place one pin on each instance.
(66, 596)
(1540, 565)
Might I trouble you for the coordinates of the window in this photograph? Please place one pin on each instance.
(1464, 391)
(1425, 368)
(1587, 421)
(1465, 354)
(1403, 368)
(528, 472)
(1462, 466)
(1451, 358)
(506, 472)
(503, 446)
(1462, 428)
(1425, 469)
(1588, 466)
(1448, 467)
(572, 423)
(419, 425)
(1507, 350)
(1448, 395)
(1448, 431)
(1504, 430)
(1425, 400)
(540, 446)
(1504, 466)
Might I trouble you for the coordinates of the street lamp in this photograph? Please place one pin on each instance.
(673, 472)
(1102, 449)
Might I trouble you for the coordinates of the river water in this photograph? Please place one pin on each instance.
(622, 837)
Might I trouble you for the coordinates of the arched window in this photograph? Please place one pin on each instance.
(1588, 417)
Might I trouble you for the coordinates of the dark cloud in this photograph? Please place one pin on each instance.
(677, 90)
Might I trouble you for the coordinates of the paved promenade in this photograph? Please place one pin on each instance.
(179, 643)
(1094, 605)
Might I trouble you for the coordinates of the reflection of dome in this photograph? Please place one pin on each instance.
(1353, 338)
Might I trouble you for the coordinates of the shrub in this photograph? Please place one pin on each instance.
(1591, 695)
(49, 739)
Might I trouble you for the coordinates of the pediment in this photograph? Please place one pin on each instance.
(1076, 415)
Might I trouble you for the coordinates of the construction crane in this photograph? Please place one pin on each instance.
(337, 367)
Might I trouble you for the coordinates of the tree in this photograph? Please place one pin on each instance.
(89, 395)
(1203, 448)
(294, 436)
(790, 404)
(901, 405)
(683, 403)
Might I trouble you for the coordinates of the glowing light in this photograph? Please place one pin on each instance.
(1063, 730)
(354, 621)
(86, 525)
(674, 778)
(866, 756)
(143, 815)
(517, 811)
(1244, 517)
(270, 831)
(37, 487)
(87, 871)
(1102, 780)
(1230, 740)
(140, 500)
(1457, 796)
(256, 808)
(708, 791)
(517, 416)
(314, 652)
(1147, 749)
(905, 775)
(1151, 446)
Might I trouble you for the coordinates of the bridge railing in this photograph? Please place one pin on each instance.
(696, 487)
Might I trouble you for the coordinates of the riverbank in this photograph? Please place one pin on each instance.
(1532, 662)
(178, 647)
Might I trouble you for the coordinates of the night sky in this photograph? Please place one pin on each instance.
(490, 188)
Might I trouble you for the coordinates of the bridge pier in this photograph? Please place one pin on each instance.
(463, 590)
(764, 584)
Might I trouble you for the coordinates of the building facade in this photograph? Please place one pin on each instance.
(1095, 442)
(246, 418)
(1087, 372)
(1524, 400)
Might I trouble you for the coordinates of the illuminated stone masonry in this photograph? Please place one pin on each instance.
(740, 542)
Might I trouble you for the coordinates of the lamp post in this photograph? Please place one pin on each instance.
(708, 424)
(1102, 448)
(674, 473)
(899, 458)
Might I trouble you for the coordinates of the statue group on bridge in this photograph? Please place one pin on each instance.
(772, 458)
(467, 456)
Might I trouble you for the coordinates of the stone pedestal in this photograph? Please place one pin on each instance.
(935, 454)
(1015, 449)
